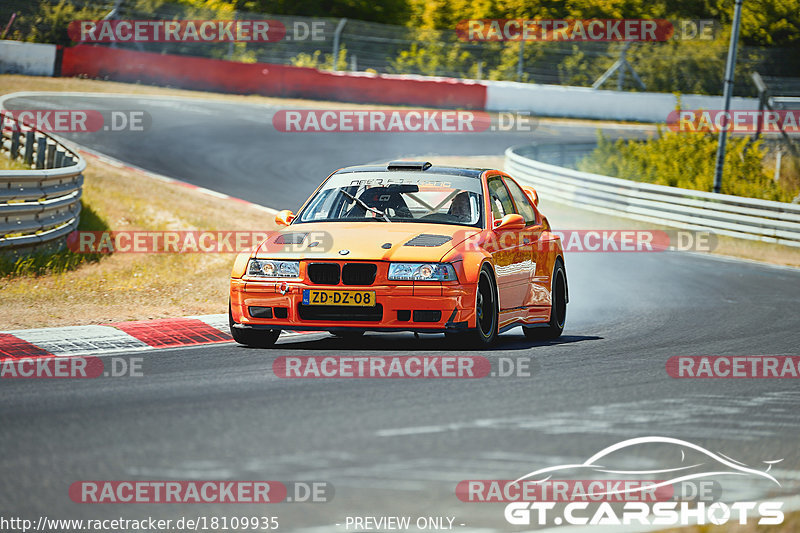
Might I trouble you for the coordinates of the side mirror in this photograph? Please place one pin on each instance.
(510, 222)
(533, 196)
(284, 218)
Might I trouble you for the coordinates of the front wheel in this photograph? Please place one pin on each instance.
(486, 314)
(558, 308)
(257, 338)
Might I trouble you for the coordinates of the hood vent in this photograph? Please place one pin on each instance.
(291, 238)
(428, 241)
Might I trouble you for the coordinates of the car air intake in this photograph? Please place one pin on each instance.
(425, 315)
(429, 241)
(291, 238)
(260, 312)
(324, 273)
(281, 312)
(408, 165)
(359, 273)
(341, 313)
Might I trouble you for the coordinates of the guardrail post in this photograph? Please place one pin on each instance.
(51, 155)
(14, 143)
(41, 149)
(337, 35)
(29, 146)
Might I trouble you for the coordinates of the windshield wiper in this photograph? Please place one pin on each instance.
(365, 206)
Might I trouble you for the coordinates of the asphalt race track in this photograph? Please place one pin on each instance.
(394, 447)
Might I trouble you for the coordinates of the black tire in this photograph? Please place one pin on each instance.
(348, 335)
(486, 312)
(256, 338)
(558, 309)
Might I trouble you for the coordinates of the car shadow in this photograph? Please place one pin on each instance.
(408, 342)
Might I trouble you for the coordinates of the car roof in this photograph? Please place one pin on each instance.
(429, 170)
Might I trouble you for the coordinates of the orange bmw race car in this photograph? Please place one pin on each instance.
(408, 246)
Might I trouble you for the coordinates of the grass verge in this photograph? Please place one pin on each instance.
(120, 286)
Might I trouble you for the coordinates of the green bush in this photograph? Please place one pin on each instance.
(319, 61)
(687, 160)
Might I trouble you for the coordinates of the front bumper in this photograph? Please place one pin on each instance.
(406, 307)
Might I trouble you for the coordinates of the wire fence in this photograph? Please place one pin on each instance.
(353, 45)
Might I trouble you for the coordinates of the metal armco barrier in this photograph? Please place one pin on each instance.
(734, 216)
(40, 205)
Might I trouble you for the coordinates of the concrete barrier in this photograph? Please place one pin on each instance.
(585, 102)
(288, 81)
(33, 59)
(270, 80)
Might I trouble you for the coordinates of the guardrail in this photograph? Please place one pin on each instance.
(734, 216)
(40, 204)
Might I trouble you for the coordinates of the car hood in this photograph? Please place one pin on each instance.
(372, 241)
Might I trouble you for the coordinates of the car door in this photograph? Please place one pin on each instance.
(507, 250)
(535, 261)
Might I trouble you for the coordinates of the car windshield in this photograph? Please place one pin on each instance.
(397, 197)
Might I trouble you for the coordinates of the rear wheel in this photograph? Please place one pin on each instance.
(558, 309)
(257, 338)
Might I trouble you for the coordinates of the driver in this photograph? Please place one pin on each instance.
(460, 207)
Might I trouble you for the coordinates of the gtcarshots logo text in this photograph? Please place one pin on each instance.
(685, 495)
(660, 513)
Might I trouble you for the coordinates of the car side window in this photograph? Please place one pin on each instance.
(524, 206)
(499, 198)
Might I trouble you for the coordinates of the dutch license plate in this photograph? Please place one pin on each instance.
(352, 298)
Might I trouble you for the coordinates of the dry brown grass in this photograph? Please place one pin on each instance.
(134, 286)
(7, 164)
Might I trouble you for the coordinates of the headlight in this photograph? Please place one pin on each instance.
(267, 268)
(422, 271)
